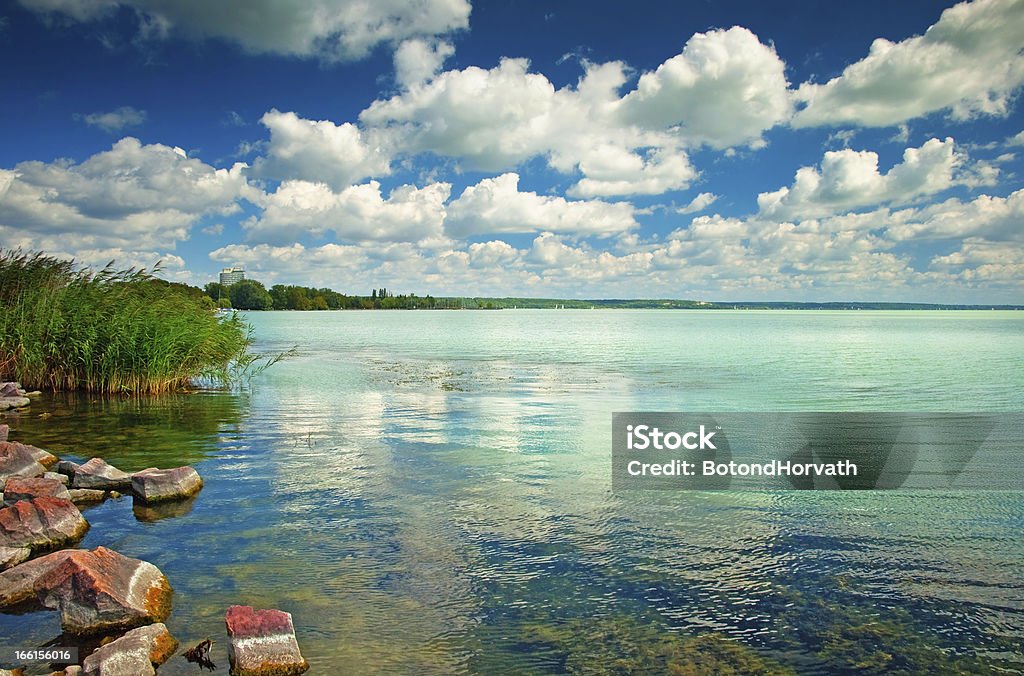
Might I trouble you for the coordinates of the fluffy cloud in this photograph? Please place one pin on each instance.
(724, 89)
(970, 63)
(132, 195)
(418, 60)
(328, 29)
(850, 179)
(357, 213)
(699, 203)
(318, 151)
(496, 205)
(116, 120)
(996, 219)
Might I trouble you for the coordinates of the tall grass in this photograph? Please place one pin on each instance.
(115, 331)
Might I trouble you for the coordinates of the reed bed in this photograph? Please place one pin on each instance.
(63, 327)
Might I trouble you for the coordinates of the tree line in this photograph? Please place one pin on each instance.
(250, 294)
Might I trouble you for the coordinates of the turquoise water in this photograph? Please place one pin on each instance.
(430, 492)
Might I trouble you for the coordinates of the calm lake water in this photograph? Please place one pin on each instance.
(430, 492)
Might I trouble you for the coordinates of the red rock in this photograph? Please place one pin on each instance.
(41, 523)
(10, 389)
(18, 488)
(98, 474)
(17, 460)
(97, 591)
(262, 642)
(158, 485)
(137, 653)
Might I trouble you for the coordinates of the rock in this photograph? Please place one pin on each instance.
(33, 394)
(14, 402)
(17, 460)
(41, 523)
(57, 476)
(262, 642)
(10, 389)
(19, 488)
(157, 485)
(72, 670)
(4, 431)
(86, 496)
(12, 672)
(67, 468)
(136, 653)
(44, 458)
(98, 474)
(12, 556)
(162, 510)
(97, 591)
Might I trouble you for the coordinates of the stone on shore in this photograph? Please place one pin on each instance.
(18, 460)
(4, 431)
(14, 402)
(86, 496)
(262, 642)
(41, 523)
(57, 476)
(158, 485)
(20, 488)
(97, 591)
(98, 474)
(12, 556)
(67, 468)
(10, 389)
(137, 653)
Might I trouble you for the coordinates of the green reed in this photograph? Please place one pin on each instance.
(63, 327)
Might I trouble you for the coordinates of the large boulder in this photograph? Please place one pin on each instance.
(262, 642)
(97, 474)
(19, 488)
(98, 591)
(137, 653)
(10, 389)
(41, 523)
(158, 485)
(18, 460)
(67, 468)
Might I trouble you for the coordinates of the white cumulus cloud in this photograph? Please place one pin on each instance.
(969, 63)
(850, 179)
(496, 205)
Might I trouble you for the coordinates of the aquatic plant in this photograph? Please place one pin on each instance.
(64, 327)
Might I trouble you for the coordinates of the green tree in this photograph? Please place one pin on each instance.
(249, 294)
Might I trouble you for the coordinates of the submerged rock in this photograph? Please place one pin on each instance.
(41, 523)
(162, 510)
(158, 485)
(137, 653)
(18, 460)
(12, 556)
(86, 496)
(20, 488)
(96, 591)
(98, 474)
(262, 642)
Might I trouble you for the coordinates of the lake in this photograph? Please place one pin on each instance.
(431, 492)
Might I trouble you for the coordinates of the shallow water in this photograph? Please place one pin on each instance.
(431, 491)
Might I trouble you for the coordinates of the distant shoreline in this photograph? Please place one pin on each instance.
(552, 304)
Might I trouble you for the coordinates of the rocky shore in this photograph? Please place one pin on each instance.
(103, 597)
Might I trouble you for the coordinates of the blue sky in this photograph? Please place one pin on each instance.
(726, 150)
